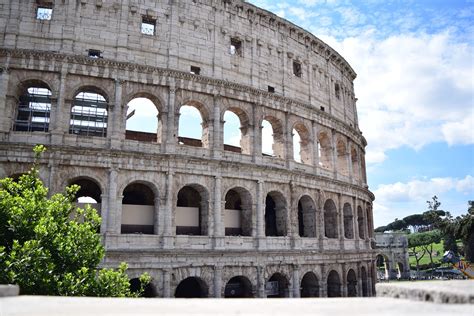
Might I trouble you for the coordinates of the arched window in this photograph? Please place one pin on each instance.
(348, 221)
(306, 217)
(267, 138)
(33, 113)
(342, 167)
(273, 143)
(277, 286)
(330, 219)
(324, 150)
(334, 284)
(301, 144)
(309, 285)
(142, 121)
(89, 193)
(238, 213)
(135, 287)
(191, 211)
(355, 164)
(351, 283)
(383, 267)
(193, 130)
(232, 133)
(89, 114)
(192, 287)
(275, 214)
(138, 209)
(296, 146)
(238, 287)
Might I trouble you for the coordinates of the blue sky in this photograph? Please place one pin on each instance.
(414, 61)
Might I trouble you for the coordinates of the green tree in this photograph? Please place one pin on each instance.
(51, 247)
(421, 244)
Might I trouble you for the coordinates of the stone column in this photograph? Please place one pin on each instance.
(355, 222)
(288, 155)
(171, 132)
(257, 137)
(156, 216)
(260, 216)
(296, 281)
(359, 281)
(166, 283)
(315, 161)
(217, 282)
(320, 224)
(340, 217)
(349, 162)
(112, 215)
(261, 282)
(324, 282)
(218, 219)
(168, 213)
(5, 120)
(59, 119)
(114, 122)
(344, 281)
(334, 153)
(217, 136)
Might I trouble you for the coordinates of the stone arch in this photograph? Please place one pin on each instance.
(277, 285)
(32, 112)
(89, 112)
(245, 139)
(204, 140)
(192, 209)
(365, 282)
(351, 283)
(275, 214)
(400, 270)
(278, 135)
(306, 217)
(192, 287)
(325, 150)
(305, 150)
(333, 284)
(361, 222)
(309, 285)
(341, 159)
(134, 132)
(149, 289)
(90, 192)
(383, 266)
(330, 219)
(238, 212)
(238, 287)
(348, 221)
(355, 163)
(138, 208)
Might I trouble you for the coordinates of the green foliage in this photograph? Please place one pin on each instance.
(51, 247)
(421, 244)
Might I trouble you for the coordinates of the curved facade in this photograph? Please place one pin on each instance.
(201, 217)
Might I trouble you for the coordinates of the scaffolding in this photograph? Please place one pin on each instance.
(89, 115)
(34, 111)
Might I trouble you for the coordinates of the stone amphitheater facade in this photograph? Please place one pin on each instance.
(68, 71)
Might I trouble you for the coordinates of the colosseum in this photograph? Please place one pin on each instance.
(204, 218)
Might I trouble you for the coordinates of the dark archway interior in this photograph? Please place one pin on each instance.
(238, 287)
(351, 283)
(334, 284)
(277, 286)
(365, 288)
(275, 221)
(191, 288)
(138, 194)
(135, 285)
(270, 217)
(88, 189)
(330, 219)
(309, 285)
(190, 197)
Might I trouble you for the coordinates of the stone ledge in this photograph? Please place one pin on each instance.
(445, 292)
(9, 290)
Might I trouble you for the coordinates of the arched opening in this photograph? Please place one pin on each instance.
(370, 226)
(351, 283)
(363, 171)
(334, 284)
(330, 219)
(148, 290)
(383, 267)
(89, 193)
(89, 113)
(238, 287)
(365, 284)
(236, 131)
(138, 209)
(238, 213)
(301, 144)
(400, 272)
(34, 108)
(277, 286)
(191, 211)
(193, 129)
(348, 221)
(355, 164)
(309, 285)
(360, 222)
(273, 143)
(275, 214)
(191, 287)
(341, 149)
(143, 121)
(306, 217)
(325, 150)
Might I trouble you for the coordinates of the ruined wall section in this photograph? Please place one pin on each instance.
(192, 33)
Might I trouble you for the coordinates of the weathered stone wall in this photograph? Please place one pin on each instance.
(52, 54)
(394, 249)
